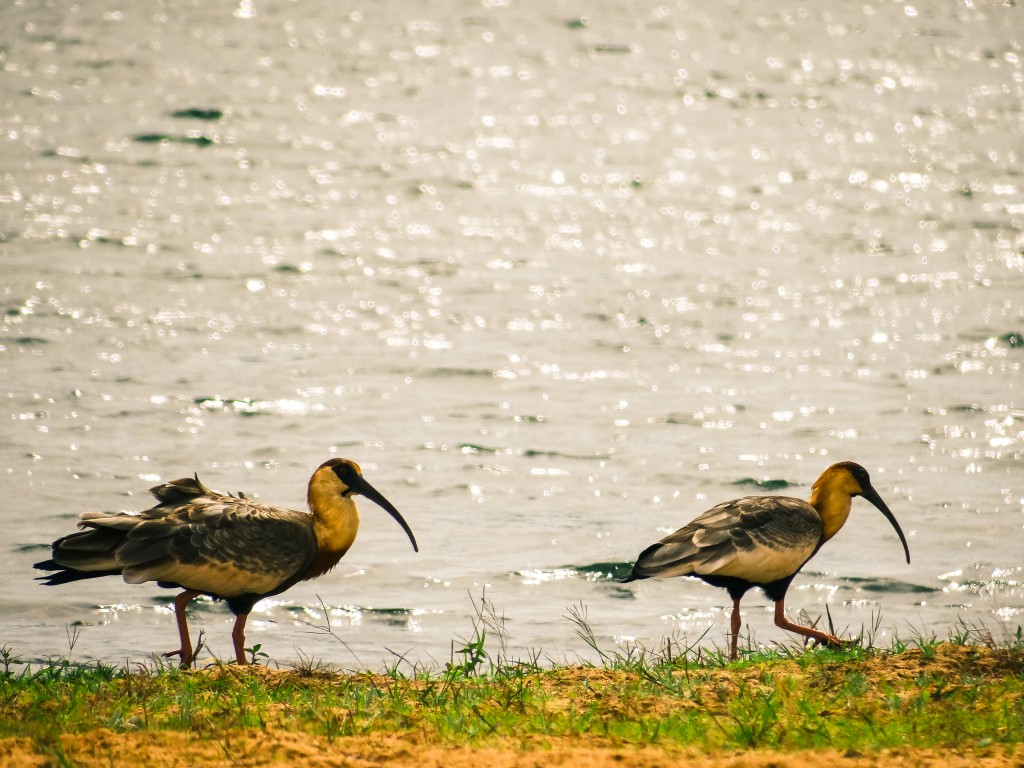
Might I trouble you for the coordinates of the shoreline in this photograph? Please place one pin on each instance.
(943, 703)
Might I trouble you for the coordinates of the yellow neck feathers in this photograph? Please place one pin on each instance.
(832, 497)
(335, 520)
(833, 505)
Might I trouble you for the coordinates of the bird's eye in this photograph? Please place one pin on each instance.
(345, 472)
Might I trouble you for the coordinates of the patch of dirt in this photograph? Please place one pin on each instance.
(945, 660)
(581, 687)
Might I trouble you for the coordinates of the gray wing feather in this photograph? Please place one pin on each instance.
(735, 535)
(196, 538)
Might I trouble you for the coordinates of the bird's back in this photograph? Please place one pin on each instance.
(756, 538)
(194, 538)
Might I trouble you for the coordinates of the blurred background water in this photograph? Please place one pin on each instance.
(559, 277)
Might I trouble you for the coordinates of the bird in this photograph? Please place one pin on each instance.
(763, 541)
(221, 545)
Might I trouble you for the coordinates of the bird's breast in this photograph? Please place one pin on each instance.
(335, 524)
(322, 563)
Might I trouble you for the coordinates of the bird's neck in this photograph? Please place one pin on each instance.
(335, 523)
(833, 506)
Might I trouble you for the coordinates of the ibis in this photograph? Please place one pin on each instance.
(763, 541)
(224, 546)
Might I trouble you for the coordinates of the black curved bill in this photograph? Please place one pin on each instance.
(367, 490)
(871, 495)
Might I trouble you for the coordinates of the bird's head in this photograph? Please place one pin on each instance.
(852, 479)
(344, 477)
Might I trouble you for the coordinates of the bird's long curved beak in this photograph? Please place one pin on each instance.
(377, 497)
(871, 495)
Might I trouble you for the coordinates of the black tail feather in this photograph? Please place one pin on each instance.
(631, 576)
(64, 575)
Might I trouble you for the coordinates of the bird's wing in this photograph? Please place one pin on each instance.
(198, 539)
(757, 538)
(226, 547)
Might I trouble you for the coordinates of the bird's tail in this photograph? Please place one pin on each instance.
(89, 553)
(86, 554)
(660, 561)
(632, 576)
(62, 574)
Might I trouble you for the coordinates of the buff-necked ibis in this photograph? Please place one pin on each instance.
(227, 547)
(763, 541)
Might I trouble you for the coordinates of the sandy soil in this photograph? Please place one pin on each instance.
(278, 745)
(178, 750)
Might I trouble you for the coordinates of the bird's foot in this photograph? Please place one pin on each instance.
(831, 641)
(187, 654)
(826, 638)
(186, 657)
(810, 633)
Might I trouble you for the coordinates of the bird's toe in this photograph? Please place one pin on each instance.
(186, 658)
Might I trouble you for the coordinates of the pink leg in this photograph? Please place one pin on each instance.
(784, 623)
(185, 652)
(238, 637)
(735, 626)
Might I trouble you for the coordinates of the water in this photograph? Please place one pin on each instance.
(559, 278)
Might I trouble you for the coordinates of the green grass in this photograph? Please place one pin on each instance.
(965, 692)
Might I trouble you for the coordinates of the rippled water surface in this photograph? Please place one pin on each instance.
(558, 276)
